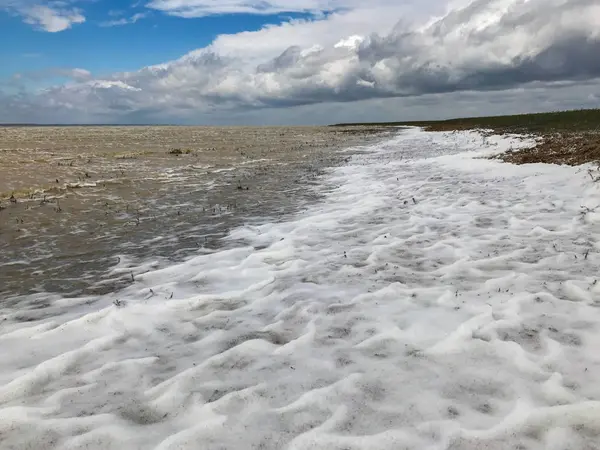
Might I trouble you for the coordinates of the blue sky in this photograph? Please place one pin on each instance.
(101, 48)
(293, 61)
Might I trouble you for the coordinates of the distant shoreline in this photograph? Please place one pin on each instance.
(565, 137)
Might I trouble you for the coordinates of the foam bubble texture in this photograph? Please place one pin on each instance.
(433, 300)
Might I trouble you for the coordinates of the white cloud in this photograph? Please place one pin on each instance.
(364, 55)
(203, 8)
(50, 19)
(50, 16)
(77, 74)
(124, 20)
(255, 47)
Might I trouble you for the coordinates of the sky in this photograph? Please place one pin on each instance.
(261, 62)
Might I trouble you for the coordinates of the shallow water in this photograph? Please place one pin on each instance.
(87, 195)
(429, 300)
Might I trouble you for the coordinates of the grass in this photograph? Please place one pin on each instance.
(567, 137)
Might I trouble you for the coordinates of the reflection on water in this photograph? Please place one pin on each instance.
(75, 199)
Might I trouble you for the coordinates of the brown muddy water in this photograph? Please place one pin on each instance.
(78, 201)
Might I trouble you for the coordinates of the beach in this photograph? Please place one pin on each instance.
(411, 292)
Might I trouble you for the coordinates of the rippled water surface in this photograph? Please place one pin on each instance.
(86, 195)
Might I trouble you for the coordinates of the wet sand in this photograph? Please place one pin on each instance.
(78, 201)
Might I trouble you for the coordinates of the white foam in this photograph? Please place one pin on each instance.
(434, 299)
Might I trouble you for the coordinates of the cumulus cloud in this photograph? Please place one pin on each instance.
(481, 46)
(50, 16)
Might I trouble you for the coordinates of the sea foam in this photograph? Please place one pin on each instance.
(434, 299)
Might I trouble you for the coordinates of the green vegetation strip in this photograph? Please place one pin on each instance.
(579, 120)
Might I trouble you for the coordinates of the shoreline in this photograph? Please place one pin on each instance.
(564, 137)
